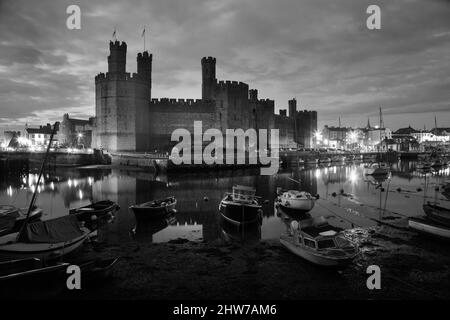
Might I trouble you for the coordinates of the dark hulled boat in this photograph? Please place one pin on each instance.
(155, 209)
(437, 214)
(241, 206)
(97, 209)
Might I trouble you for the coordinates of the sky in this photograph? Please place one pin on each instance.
(318, 51)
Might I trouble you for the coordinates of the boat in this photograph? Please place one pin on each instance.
(46, 240)
(429, 228)
(319, 243)
(437, 214)
(242, 233)
(241, 206)
(325, 161)
(376, 168)
(296, 200)
(97, 209)
(155, 209)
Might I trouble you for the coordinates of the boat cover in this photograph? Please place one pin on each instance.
(8, 216)
(61, 229)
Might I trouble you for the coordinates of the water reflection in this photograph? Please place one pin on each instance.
(347, 197)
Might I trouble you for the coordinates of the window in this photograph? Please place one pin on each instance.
(309, 243)
(324, 244)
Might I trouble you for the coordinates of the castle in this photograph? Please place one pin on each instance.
(127, 118)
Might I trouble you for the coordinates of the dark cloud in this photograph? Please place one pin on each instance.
(316, 50)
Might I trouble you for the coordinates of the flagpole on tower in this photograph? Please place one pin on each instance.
(144, 36)
(114, 34)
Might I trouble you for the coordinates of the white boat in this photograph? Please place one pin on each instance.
(376, 168)
(45, 240)
(320, 243)
(430, 228)
(296, 200)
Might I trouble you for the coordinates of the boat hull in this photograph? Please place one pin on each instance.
(436, 215)
(239, 213)
(151, 213)
(429, 228)
(313, 257)
(297, 205)
(43, 251)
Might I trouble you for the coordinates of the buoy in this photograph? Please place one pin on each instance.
(206, 199)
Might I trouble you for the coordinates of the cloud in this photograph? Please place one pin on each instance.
(316, 50)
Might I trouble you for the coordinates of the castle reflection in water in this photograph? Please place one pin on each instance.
(198, 197)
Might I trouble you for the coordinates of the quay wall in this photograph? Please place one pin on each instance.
(56, 159)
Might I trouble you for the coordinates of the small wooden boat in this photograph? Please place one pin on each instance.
(44, 240)
(375, 169)
(429, 228)
(241, 206)
(296, 200)
(155, 209)
(320, 243)
(437, 214)
(97, 209)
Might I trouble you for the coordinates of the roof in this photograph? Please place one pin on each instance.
(407, 130)
(43, 130)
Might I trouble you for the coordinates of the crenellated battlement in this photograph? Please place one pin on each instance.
(144, 55)
(232, 85)
(119, 76)
(117, 45)
(186, 102)
(208, 60)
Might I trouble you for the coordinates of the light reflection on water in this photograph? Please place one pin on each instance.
(347, 197)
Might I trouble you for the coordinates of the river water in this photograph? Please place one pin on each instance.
(348, 198)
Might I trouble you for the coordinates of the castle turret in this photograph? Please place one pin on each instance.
(209, 80)
(253, 95)
(292, 107)
(117, 58)
(144, 67)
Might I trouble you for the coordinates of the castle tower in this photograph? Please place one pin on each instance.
(292, 107)
(144, 68)
(253, 95)
(209, 80)
(122, 103)
(117, 58)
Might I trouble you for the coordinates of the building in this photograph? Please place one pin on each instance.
(127, 118)
(75, 133)
(40, 137)
(335, 137)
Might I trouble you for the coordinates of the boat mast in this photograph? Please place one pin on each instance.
(33, 199)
